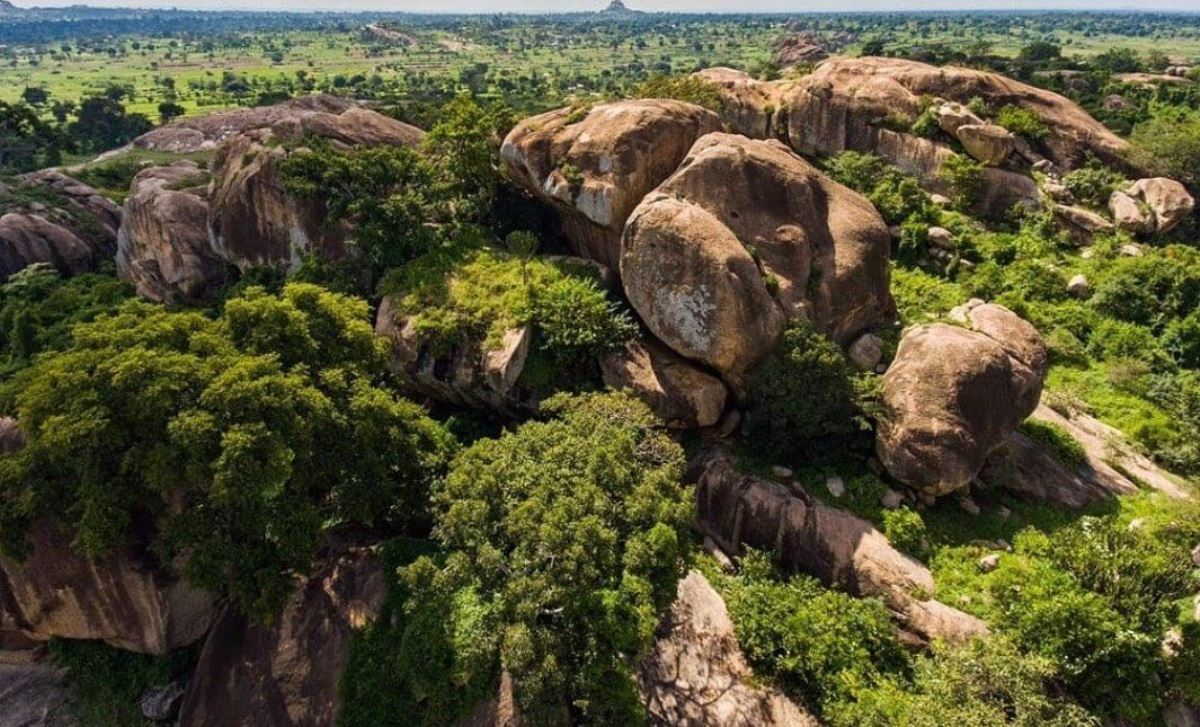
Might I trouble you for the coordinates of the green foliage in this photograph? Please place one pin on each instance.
(681, 88)
(264, 421)
(905, 530)
(112, 177)
(1150, 290)
(1068, 450)
(821, 645)
(918, 293)
(38, 309)
(963, 178)
(1023, 121)
(563, 541)
(987, 682)
(895, 194)
(1171, 146)
(802, 390)
(28, 141)
(1182, 340)
(1115, 340)
(105, 683)
(1093, 183)
(575, 323)
(926, 124)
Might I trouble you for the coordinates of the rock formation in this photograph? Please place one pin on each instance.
(953, 396)
(595, 165)
(287, 673)
(697, 674)
(163, 247)
(793, 50)
(48, 217)
(833, 545)
(123, 599)
(1166, 200)
(31, 695)
(743, 237)
(676, 390)
(253, 220)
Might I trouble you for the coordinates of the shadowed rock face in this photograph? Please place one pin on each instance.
(953, 396)
(287, 673)
(48, 217)
(677, 391)
(833, 545)
(743, 237)
(697, 674)
(596, 165)
(163, 247)
(253, 220)
(31, 695)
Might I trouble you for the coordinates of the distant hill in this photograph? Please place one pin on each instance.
(6, 7)
(616, 7)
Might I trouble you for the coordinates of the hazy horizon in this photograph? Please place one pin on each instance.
(559, 6)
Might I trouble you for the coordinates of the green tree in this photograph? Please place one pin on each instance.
(563, 541)
(264, 422)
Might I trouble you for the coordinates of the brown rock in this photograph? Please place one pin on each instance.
(122, 599)
(287, 673)
(595, 165)
(1082, 222)
(835, 546)
(688, 270)
(748, 106)
(200, 133)
(952, 116)
(792, 50)
(676, 390)
(697, 674)
(953, 396)
(48, 217)
(1168, 200)
(988, 143)
(1128, 215)
(163, 247)
(253, 220)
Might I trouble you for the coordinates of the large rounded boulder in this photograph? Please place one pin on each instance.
(253, 219)
(48, 217)
(163, 247)
(954, 395)
(596, 164)
(745, 236)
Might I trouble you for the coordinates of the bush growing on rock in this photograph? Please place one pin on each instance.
(564, 538)
(265, 423)
(963, 178)
(1092, 183)
(681, 88)
(905, 529)
(1023, 121)
(803, 390)
(895, 194)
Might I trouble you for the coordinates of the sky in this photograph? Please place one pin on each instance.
(491, 6)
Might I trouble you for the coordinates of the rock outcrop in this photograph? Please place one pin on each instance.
(32, 695)
(287, 673)
(678, 392)
(988, 143)
(1168, 201)
(595, 165)
(253, 220)
(1127, 214)
(48, 217)
(163, 247)
(835, 546)
(697, 674)
(122, 599)
(201, 133)
(953, 396)
(743, 237)
(793, 50)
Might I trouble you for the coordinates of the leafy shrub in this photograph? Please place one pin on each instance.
(106, 683)
(576, 323)
(905, 530)
(816, 643)
(986, 682)
(802, 390)
(563, 545)
(1121, 340)
(38, 308)
(918, 293)
(113, 177)
(1023, 121)
(895, 194)
(1150, 290)
(926, 124)
(1068, 449)
(1171, 146)
(963, 178)
(265, 420)
(681, 88)
(1181, 339)
(1093, 183)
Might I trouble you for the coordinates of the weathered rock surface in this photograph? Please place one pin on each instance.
(1083, 223)
(1127, 214)
(697, 674)
(988, 143)
(122, 599)
(1168, 201)
(748, 106)
(287, 673)
(595, 165)
(676, 390)
(839, 548)
(163, 247)
(953, 396)
(200, 133)
(253, 220)
(792, 50)
(820, 250)
(951, 116)
(31, 695)
(48, 217)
